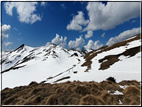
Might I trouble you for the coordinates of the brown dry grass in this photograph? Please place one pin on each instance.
(105, 65)
(91, 100)
(72, 93)
(52, 100)
(131, 96)
(111, 59)
(132, 82)
(88, 64)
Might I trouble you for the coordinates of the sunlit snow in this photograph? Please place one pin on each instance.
(51, 63)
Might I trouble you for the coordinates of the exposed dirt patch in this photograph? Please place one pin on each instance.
(89, 56)
(88, 64)
(109, 60)
(73, 93)
(131, 52)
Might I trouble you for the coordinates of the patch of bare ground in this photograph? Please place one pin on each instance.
(109, 60)
(73, 93)
(112, 59)
(88, 64)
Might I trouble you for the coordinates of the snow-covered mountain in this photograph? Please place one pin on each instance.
(54, 64)
(26, 64)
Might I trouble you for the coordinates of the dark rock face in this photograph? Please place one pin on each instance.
(20, 48)
(75, 54)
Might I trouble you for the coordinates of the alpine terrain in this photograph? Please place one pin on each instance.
(54, 75)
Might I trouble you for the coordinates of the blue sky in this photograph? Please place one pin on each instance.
(67, 23)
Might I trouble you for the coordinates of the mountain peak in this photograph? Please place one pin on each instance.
(52, 63)
(20, 47)
(23, 46)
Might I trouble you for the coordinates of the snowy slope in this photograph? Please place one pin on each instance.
(36, 64)
(54, 64)
(127, 68)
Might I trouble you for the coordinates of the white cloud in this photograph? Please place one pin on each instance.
(93, 45)
(123, 36)
(5, 30)
(103, 35)
(43, 3)
(89, 34)
(25, 11)
(77, 22)
(59, 41)
(7, 43)
(105, 17)
(5, 34)
(76, 44)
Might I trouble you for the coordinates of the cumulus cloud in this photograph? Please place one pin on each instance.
(103, 35)
(123, 36)
(77, 22)
(59, 41)
(93, 45)
(5, 34)
(25, 11)
(105, 17)
(7, 43)
(76, 44)
(89, 34)
(5, 30)
(43, 3)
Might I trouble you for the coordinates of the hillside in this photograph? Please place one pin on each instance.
(64, 76)
(54, 64)
(74, 93)
(36, 64)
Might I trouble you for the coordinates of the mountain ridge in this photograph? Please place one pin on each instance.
(54, 64)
